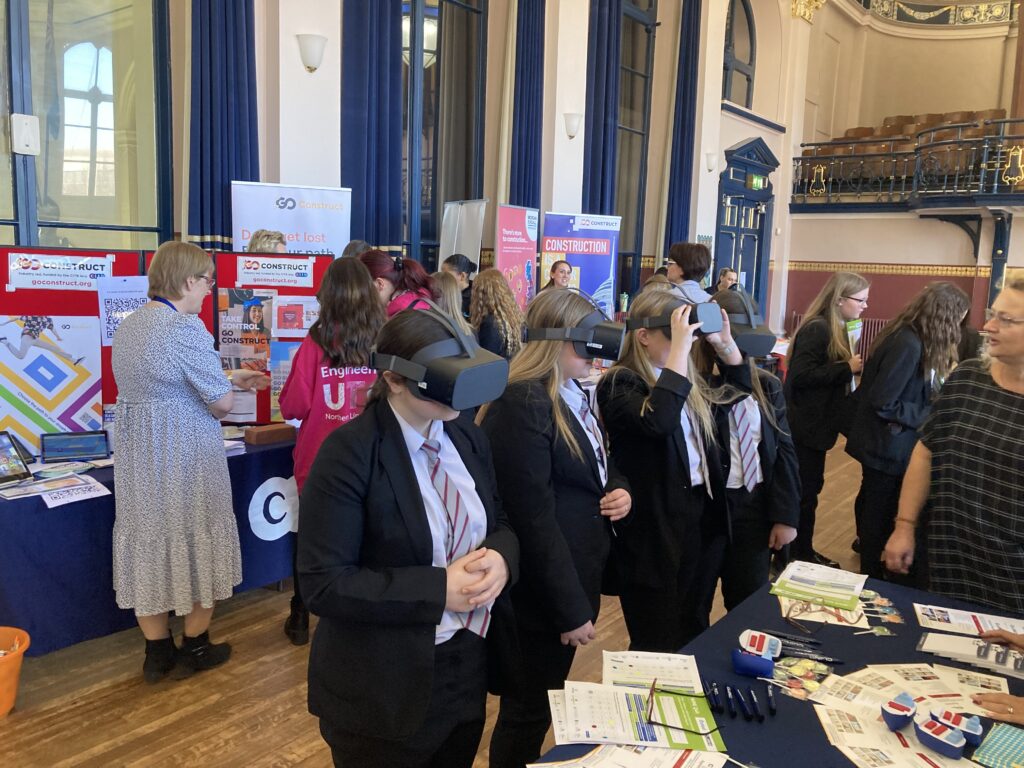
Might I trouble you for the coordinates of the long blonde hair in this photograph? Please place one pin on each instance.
(539, 360)
(826, 306)
(449, 299)
(634, 357)
(492, 296)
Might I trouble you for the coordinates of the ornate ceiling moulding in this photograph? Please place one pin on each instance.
(958, 14)
(805, 9)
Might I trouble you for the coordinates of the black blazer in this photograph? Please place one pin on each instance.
(490, 337)
(816, 389)
(553, 502)
(364, 563)
(649, 448)
(780, 471)
(893, 400)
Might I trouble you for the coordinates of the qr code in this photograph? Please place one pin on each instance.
(117, 309)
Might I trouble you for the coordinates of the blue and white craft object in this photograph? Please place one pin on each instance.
(899, 711)
(760, 643)
(948, 742)
(969, 725)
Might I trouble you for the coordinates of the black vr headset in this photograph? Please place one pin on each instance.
(709, 314)
(751, 342)
(456, 371)
(594, 336)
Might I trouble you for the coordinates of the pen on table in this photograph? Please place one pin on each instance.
(713, 701)
(771, 700)
(719, 706)
(756, 705)
(730, 700)
(748, 713)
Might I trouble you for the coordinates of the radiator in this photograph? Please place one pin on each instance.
(870, 330)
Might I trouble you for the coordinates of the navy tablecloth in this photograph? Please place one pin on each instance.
(795, 737)
(55, 564)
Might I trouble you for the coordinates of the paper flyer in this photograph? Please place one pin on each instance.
(970, 682)
(641, 669)
(923, 683)
(803, 611)
(49, 375)
(119, 297)
(963, 622)
(838, 692)
(820, 584)
(975, 651)
(615, 756)
(244, 327)
(293, 316)
(90, 490)
(854, 331)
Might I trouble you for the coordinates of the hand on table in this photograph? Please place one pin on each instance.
(1001, 706)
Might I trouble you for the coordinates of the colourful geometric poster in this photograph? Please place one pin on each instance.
(515, 249)
(49, 375)
(591, 244)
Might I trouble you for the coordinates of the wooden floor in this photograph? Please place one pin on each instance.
(88, 706)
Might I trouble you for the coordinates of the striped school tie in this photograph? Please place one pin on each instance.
(459, 540)
(748, 450)
(587, 417)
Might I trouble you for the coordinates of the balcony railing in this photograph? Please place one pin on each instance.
(964, 159)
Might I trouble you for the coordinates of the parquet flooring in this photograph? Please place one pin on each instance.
(88, 706)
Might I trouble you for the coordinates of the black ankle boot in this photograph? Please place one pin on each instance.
(160, 657)
(296, 626)
(198, 653)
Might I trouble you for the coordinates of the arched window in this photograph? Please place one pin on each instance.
(740, 54)
(88, 121)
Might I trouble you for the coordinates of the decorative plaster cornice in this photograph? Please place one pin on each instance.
(805, 9)
(858, 14)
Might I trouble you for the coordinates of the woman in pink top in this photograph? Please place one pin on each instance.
(330, 379)
(401, 283)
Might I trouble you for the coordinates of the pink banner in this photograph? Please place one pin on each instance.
(515, 249)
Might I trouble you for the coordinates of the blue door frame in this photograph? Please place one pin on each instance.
(746, 202)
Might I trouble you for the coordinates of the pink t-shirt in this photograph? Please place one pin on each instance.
(323, 397)
(407, 299)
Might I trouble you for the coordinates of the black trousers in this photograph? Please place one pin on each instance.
(450, 734)
(747, 558)
(667, 617)
(877, 504)
(297, 602)
(524, 714)
(812, 480)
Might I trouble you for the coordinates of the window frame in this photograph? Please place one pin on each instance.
(731, 64)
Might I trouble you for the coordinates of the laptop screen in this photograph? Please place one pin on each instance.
(74, 446)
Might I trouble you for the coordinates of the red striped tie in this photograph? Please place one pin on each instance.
(748, 450)
(459, 540)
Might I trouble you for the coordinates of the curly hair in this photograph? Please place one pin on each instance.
(492, 296)
(934, 315)
(351, 314)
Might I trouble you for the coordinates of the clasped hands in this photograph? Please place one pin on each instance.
(475, 579)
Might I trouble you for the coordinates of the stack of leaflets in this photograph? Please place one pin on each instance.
(812, 583)
(611, 756)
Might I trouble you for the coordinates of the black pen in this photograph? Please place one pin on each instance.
(730, 701)
(756, 705)
(717, 694)
(771, 699)
(748, 713)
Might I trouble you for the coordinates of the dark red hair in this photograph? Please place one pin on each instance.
(404, 274)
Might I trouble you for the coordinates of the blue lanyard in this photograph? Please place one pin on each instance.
(162, 300)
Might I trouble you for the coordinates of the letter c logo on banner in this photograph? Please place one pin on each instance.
(274, 509)
(285, 203)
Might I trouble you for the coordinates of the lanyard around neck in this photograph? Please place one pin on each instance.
(162, 300)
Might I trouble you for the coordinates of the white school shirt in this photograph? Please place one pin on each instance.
(451, 462)
(572, 395)
(694, 449)
(735, 462)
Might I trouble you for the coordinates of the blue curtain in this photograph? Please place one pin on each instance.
(371, 118)
(604, 44)
(223, 144)
(677, 224)
(528, 105)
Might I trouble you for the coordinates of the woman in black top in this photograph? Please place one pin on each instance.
(461, 268)
(563, 497)
(908, 362)
(820, 372)
(663, 421)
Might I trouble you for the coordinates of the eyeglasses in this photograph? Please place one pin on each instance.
(862, 302)
(649, 708)
(1002, 320)
(806, 609)
(207, 278)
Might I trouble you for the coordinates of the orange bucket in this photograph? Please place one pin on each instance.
(10, 665)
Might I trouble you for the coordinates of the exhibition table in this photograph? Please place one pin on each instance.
(795, 737)
(55, 564)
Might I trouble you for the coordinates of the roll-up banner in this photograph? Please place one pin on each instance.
(313, 219)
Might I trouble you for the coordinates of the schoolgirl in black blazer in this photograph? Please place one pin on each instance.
(563, 496)
(662, 422)
(399, 665)
(820, 369)
(908, 361)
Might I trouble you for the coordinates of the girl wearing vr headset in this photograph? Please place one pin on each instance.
(560, 491)
(403, 553)
(668, 424)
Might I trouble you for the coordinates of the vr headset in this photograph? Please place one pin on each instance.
(594, 336)
(709, 314)
(751, 342)
(455, 372)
